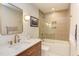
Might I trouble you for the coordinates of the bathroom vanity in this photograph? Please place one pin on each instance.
(31, 47)
(35, 50)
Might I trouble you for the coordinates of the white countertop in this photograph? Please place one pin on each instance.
(8, 50)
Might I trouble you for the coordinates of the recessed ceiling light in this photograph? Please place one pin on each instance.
(53, 9)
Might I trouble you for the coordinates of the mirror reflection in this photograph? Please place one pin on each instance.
(11, 18)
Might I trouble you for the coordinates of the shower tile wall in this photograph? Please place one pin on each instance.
(59, 28)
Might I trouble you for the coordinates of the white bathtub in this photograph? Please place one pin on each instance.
(55, 48)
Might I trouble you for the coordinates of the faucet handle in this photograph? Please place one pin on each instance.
(10, 42)
(19, 40)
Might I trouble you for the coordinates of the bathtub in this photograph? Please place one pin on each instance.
(55, 48)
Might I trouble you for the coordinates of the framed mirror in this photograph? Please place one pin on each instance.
(11, 19)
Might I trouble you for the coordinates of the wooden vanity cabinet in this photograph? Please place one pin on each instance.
(35, 50)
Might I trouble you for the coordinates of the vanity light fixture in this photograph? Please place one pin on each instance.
(26, 18)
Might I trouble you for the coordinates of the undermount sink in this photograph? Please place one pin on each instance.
(7, 49)
(20, 45)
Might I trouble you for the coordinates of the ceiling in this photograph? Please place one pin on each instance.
(47, 7)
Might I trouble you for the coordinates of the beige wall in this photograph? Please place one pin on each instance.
(62, 25)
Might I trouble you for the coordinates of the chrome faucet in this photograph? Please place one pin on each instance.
(16, 38)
